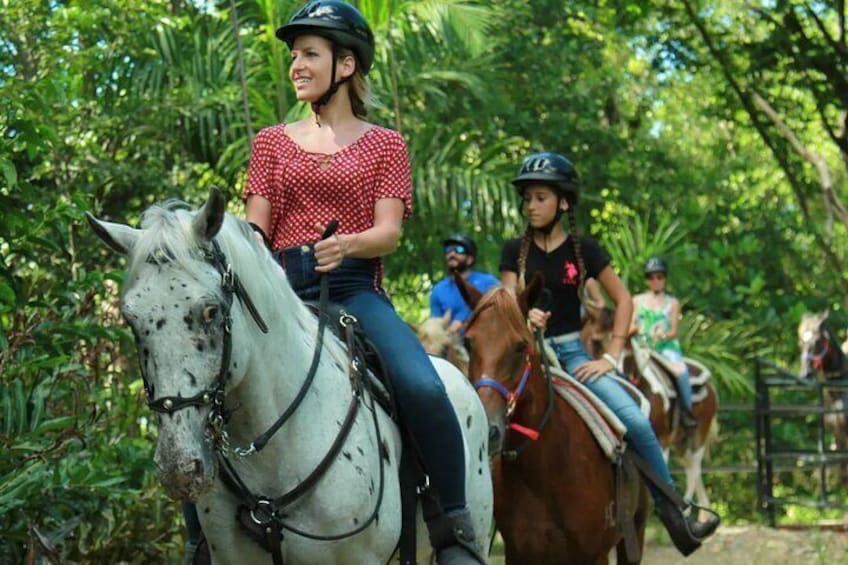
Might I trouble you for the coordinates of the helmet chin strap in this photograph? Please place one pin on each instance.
(549, 227)
(334, 87)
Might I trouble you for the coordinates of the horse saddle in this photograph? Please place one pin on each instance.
(362, 354)
(662, 377)
(414, 484)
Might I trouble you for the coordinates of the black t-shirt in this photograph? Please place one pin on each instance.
(562, 276)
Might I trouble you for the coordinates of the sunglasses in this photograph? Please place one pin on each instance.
(460, 249)
(657, 276)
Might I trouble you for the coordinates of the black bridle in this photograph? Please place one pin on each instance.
(823, 350)
(214, 395)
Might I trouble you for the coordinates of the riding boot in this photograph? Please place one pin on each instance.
(685, 531)
(452, 536)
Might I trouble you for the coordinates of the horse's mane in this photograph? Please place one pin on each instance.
(513, 324)
(167, 236)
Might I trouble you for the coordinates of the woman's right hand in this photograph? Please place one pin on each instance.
(538, 318)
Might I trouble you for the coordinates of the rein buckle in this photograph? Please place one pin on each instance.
(263, 513)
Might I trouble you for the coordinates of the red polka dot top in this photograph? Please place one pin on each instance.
(308, 188)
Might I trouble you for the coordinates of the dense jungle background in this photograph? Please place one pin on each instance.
(712, 132)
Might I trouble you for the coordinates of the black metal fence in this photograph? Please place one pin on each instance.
(788, 407)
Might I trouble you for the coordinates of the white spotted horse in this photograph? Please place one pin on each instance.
(230, 356)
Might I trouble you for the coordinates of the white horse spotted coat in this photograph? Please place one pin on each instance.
(173, 300)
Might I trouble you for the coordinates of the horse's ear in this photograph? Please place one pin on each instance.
(119, 237)
(209, 219)
(823, 315)
(468, 291)
(531, 293)
(446, 318)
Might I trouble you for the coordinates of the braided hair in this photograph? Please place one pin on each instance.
(578, 252)
(522, 257)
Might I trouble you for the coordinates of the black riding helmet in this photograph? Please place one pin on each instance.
(340, 23)
(464, 240)
(655, 265)
(552, 169)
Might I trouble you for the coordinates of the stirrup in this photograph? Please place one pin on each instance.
(679, 526)
(452, 537)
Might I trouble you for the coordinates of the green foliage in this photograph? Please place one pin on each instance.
(658, 120)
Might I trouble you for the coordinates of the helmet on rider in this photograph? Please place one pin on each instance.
(655, 265)
(464, 241)
(340, 23)
(552, 169)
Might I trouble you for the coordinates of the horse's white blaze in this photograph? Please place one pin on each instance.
(169, 306)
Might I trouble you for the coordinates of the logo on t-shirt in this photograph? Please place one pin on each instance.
(570, 274)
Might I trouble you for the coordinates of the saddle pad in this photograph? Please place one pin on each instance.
(635, 394)
(699, 375)
(653, 373)
(602, 422)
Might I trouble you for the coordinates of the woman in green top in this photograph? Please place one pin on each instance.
(655, 319)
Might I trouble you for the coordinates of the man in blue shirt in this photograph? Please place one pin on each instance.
(460, 255)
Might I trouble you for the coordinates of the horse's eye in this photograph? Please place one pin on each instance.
(467, 343)
(520, 347)
(209, 313)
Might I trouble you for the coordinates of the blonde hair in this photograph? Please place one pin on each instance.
(358, 91)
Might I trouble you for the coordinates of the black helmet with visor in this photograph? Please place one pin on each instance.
(470, 248)
(552, 169)
(655, 265)
(340, 23)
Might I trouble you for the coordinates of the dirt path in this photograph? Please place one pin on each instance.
(759, 545)
(749, 545)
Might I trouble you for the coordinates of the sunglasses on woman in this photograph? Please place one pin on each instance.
(657, 276)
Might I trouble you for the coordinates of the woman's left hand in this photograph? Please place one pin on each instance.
(589, 372)
(329, 252)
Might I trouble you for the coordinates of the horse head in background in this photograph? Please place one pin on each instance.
(821, 355)
(230, 356)
(822, 358)
(438, 339)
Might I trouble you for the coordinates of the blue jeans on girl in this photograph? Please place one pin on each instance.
(640, 435)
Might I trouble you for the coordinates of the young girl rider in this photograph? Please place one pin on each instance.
(550, 187)
(655, 319)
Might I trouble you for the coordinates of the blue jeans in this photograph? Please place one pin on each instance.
(685, 387)
(640, 435)
(423, 404)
